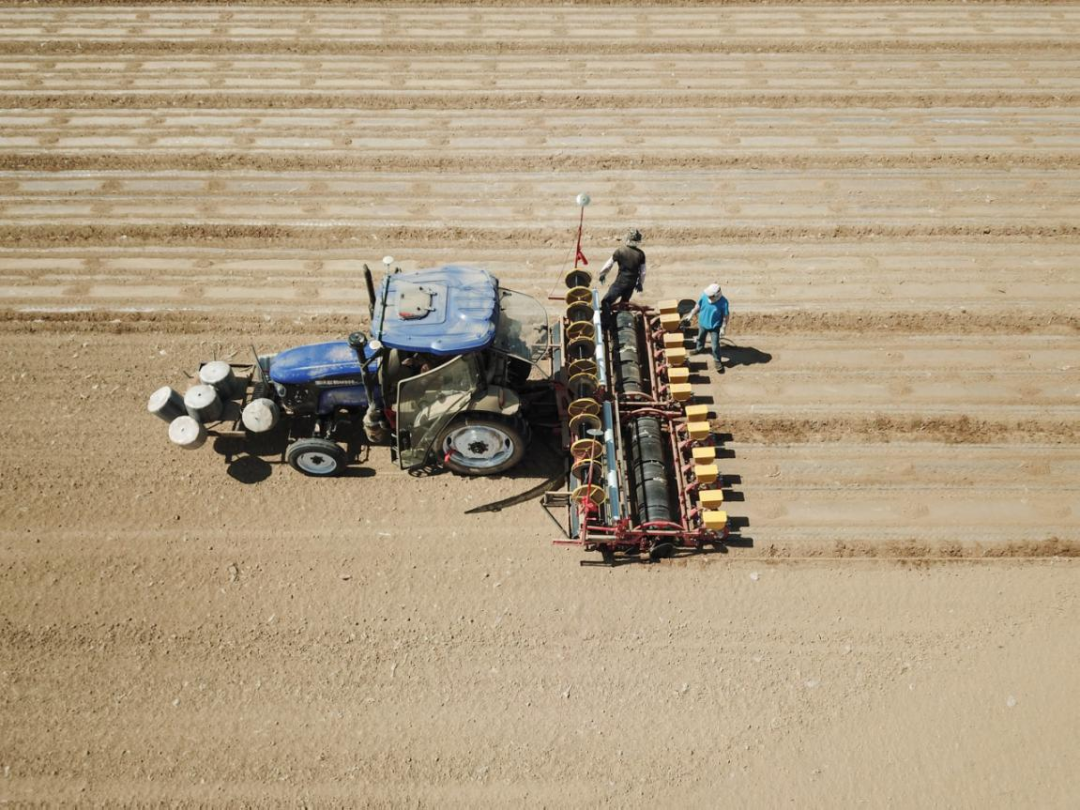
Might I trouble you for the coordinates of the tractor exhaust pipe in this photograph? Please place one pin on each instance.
(369, 282)
(374, 428)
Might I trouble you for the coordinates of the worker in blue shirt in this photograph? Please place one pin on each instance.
(712, 311)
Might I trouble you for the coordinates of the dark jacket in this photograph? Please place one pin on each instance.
(630, 260)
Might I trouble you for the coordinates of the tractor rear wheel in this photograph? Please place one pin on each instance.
(482, 443)
(317, 457)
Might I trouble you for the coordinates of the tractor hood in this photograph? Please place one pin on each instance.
(319, 361)
(446, 311)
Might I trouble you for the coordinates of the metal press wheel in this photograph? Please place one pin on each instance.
(482, 444)
(317, 457)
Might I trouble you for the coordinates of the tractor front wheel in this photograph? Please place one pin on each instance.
(317, 457)
(482, 444)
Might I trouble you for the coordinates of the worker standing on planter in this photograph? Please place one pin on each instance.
(631, 260)
(712, 311)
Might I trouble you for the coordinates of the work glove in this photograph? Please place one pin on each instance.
(603, 276)
(640, 288)
(720, 334)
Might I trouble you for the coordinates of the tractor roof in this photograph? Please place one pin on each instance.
(444, 311)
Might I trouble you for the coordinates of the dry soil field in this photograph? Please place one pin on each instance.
(889, 195)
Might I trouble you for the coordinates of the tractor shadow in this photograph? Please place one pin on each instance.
(249, 469)
(251, 458)
(544, 464)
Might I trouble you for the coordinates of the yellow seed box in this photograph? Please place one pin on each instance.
(668, 307)
(714, 520)
(671, 322)
(704, 455)
(674, 340)
(697, 413)
(706, 473)
(711, 498)
(675, 357)
(678, 375)
(682, 391)
(698, 431)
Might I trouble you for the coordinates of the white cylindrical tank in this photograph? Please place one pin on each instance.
(220, 375)
(202, 403)
(260, 415)
(187, 433)
(166, 404)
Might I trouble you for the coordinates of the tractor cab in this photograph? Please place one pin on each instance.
(460, 352)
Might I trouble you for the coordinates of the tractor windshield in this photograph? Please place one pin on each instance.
(523, 327)
(427, 402)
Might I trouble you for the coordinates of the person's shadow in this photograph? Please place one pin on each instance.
(742, 355)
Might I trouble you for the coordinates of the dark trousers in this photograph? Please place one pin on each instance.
(618, 291)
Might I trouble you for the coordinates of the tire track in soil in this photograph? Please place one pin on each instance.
(193, 322)
(733, 46)
(534, 100)
(373, 160)
(237, 235)
(915, 552)
(961, 429)
(496, 4)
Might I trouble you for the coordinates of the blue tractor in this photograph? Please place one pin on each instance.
(451, 375)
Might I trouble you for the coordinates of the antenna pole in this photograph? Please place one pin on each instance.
(582, 200)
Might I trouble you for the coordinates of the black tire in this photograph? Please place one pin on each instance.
(479, 443)
(319, 458)
(662, 551)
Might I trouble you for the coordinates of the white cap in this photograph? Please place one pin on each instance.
(713, 290)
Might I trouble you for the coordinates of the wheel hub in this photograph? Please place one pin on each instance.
(316, 463)
(479, 446)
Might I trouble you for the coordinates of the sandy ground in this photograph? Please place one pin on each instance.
(889, 195)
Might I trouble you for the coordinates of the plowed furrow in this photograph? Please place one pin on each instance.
(538, 100)
(540, 24)
(1048, 44)
(129, 156)
(227, 309)
(684, 77)
(241, 234)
